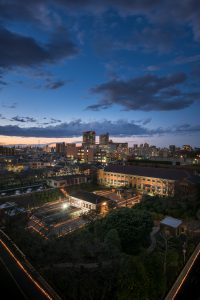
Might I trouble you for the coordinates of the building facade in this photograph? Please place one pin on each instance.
(60, 148)
(89, 138)
(88, 201)
(60, 182)
(104, 139)
(153, 181)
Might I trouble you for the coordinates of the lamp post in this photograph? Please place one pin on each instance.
(184, 251)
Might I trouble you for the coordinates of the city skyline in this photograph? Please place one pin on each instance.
(130, 69)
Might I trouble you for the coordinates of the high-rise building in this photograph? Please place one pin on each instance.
(71, 151)
(172, 148)
(89, 138)
(104, 139)
(60, 148)
(85, 154)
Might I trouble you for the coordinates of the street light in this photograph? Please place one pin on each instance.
(184, 251)
(64, 206)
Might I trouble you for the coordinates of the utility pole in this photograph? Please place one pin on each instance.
(184, 251)
(165, 254)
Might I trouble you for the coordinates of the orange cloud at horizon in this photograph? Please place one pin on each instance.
(16, 140)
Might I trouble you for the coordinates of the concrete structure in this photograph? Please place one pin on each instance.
(104, 139)
(171, 226)
(101, 156)
(68, 180)
(89, 138)
(87, 201)
(71, 151)
(60, 148)
(153, 181)
(85, 154)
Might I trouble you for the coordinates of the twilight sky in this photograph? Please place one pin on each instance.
(130, 68)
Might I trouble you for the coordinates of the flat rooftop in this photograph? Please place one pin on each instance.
(171, 222)
(87, 196)
(164, 173)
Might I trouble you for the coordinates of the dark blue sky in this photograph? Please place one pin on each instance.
(130, 68)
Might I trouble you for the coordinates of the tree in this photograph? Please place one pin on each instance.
(112, 243)
(133, 280)
(156, 279)
(133, 227)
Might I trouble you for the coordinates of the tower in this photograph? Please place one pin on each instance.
(104, 139)
(89, 138)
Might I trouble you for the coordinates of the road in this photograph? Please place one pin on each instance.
(187, 285)
(9, 287)
(18, 282)
(191, 286)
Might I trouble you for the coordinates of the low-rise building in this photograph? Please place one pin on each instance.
(87, 201)
(63, 181)
(146, 180)
(171, 226)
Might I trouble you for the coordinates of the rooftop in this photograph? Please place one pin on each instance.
(58, 178)
(172, 222)
(164, 173)
(7, 205)
(87, 196)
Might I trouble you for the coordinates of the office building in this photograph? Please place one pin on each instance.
(89, 138)
(104, 139)
(60, 148)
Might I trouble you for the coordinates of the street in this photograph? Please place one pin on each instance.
(18, 282)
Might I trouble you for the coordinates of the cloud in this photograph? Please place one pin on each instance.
(196, 70)
(147, 93)
(153, 68)
(179, 60)
(119, 128)
(55, 85)
(49, 122)
(23, 119)
(161, 17)
(2, 81)
(12, 106)
(97, 107)
(2, 117)
(187, 128)
(148, 39)
(146, 121)
(75, 128)
(22, 51)
(186, 12)
(152, 39)
(55, 121)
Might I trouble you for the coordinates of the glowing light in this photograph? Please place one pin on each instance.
(26, 272)
(65, 205)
